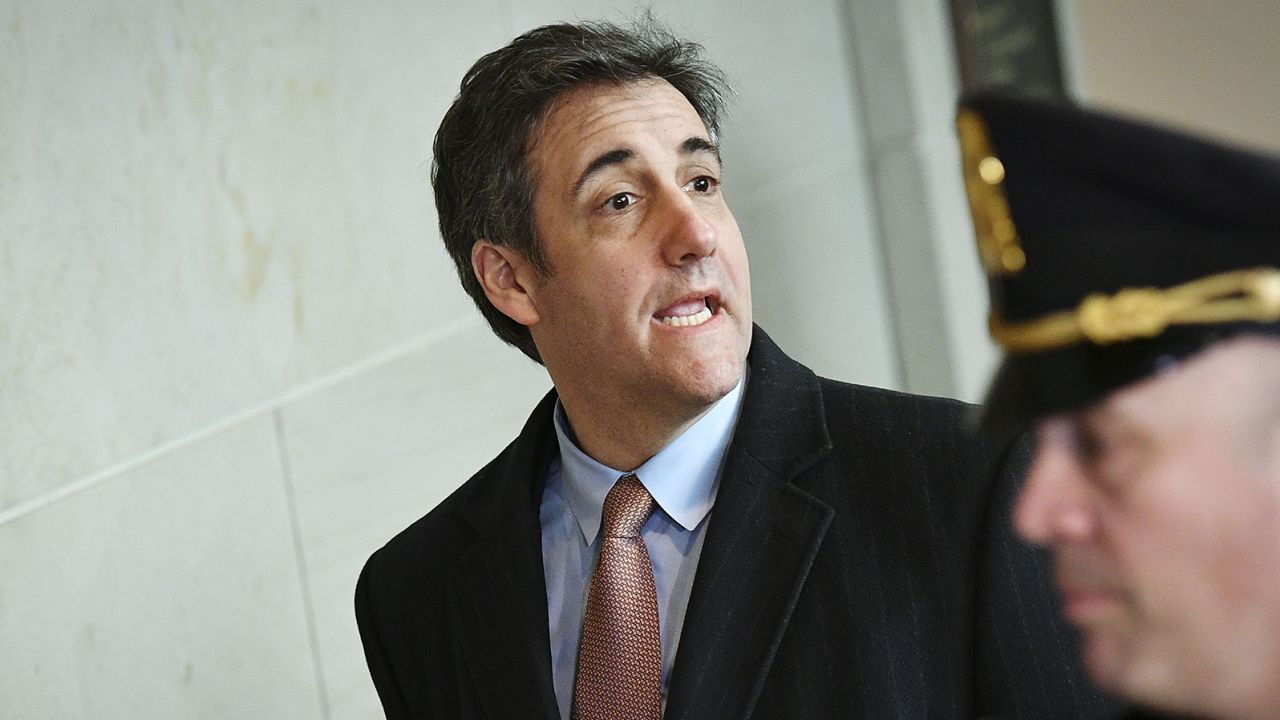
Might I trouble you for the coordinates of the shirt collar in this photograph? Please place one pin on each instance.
(682, 477)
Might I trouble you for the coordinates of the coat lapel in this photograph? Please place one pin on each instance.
(762, 539)
(498, 592)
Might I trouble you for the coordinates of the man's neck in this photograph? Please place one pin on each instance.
(625, 437)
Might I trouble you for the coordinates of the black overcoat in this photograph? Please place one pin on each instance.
(858, 564)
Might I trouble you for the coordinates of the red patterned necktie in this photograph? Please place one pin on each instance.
(620, 659)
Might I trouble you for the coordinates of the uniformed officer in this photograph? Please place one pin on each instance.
(1135, 290)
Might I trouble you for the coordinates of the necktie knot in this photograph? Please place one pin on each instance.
(627, 508)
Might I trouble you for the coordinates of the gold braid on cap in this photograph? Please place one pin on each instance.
(1137, 313)
(998, 243)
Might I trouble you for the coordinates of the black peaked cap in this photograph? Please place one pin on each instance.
(1112, 247)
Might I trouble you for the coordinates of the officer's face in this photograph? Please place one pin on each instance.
(1161, 505)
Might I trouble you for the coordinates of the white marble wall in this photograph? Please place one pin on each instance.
(233, 355)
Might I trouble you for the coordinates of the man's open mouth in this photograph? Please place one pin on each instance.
(689, 312)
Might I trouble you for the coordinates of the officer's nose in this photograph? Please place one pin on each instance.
(1054, 504)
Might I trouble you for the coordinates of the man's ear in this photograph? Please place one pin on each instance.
(505, 274)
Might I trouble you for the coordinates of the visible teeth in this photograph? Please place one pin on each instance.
(697, 318)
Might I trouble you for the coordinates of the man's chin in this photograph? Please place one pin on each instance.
(1118, 666)
(705, 383)
(711, 387)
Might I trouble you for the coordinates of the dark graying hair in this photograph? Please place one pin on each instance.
(483, 184)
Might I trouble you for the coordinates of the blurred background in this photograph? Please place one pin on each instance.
(235, 359)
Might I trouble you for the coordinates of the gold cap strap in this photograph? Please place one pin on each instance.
(1135, 313)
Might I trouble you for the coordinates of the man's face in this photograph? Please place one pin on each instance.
(648, 300)
(1161, 505)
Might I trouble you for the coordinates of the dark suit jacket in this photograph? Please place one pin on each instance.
(857, 565)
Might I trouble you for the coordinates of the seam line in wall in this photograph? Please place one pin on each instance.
(311, 387)
(300, 557)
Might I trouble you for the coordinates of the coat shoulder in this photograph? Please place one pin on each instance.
(893, 404)
(921, 426)
(434, 542)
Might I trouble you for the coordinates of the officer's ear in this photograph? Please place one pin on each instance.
(506, 276)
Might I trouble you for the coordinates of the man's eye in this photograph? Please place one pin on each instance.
(703, 184)
(1097, 448)
(621, 201)
(1091, 446)
(1087, 443)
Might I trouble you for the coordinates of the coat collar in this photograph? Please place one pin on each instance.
(763, 535)
(783, 425)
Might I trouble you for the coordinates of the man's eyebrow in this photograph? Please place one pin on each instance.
(613, 157)
(690, 146)
(699, 144)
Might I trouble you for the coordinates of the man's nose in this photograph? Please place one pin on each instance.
(1054, 504)
(689, 236)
